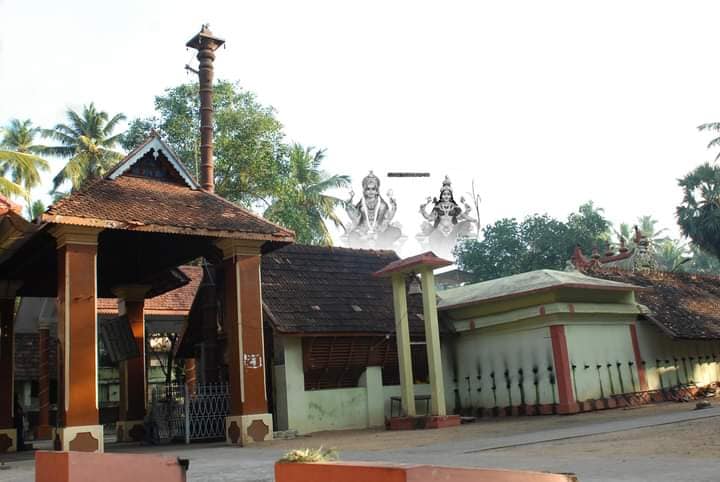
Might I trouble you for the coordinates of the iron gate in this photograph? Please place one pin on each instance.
(200, 416)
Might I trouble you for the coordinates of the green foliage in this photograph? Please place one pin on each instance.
(18, 159)
(301, 203)
(35, 209)
(699, 213)
(538, 242)
(309, 455)
(250, 156)
(87, 141)
(714, 142)
(672, 255)
(702, 262)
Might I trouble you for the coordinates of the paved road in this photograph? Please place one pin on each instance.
(217, 462)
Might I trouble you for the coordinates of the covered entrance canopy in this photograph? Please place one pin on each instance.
(123, 236)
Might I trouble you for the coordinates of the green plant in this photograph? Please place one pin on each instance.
(310, 455)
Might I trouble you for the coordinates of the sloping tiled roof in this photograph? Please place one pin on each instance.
(522, 284)
(150, 191)
(312, 289)
(6, 205)
(175, 302)
(685, 305)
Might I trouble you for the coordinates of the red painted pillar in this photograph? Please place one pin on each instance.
(44, 430)
(249, 420)
(133, 376)
(8, 434)
(563, 378)
(77, 340)
(642, 376)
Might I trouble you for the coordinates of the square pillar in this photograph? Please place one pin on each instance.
(44, 431)
(402, 336)
(432, 342)
(8, 427)
(249, 420)
(79, 429)
(566, 397)
(133, 377)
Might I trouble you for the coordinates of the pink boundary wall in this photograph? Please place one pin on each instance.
(94, 467)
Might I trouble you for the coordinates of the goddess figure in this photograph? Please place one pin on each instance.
(371, 218)
(446, 222)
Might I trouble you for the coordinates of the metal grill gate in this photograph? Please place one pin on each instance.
(200, 416)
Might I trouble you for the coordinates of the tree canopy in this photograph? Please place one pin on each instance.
(699, 213)
(510, 246)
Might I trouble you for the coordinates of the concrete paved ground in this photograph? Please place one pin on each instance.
(672, 444)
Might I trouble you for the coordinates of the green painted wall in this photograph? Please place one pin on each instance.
(603, 343)
(487, 352)
(664, 363)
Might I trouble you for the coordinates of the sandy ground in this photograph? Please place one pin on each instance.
(668, 451)
(372, 440)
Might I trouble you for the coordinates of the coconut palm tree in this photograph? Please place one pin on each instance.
(712, 126)
(88, 142)
(303, 204)
(18, 158)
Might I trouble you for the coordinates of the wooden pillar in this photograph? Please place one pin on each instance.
(566, 397)
(432, 342)
(249, 420)
(190, 375)
(44, 430)
(79, 429)
(133, 375)
(402, 336)
(8, 432)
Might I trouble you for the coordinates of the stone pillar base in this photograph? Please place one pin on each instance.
(246, 429)
(8, 440)
(130, 430)
(44, 432)
(87, 438)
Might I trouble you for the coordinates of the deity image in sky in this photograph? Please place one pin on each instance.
(447, 222)
(371, 223)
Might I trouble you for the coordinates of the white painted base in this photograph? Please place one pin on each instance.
(10, 433)
(76, 438)
(247, 429)
(124, 427)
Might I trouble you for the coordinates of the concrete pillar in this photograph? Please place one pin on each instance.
(372, 381)
(296, 402)
(133, 372)
(80, 429)
(642, 376)
(249, 420)
(566, 397)
(44, 430)
(432, 342)
(8, 433)
(402, 334)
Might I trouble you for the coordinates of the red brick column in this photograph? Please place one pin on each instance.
(562, 371)
(8, 435)
(642, 377)
(77, 340)
(133, 375)
(249, 420)
(44, 430)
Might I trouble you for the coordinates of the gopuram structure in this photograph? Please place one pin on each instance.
(122, 236)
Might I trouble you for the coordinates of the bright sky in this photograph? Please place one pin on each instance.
(544, 104)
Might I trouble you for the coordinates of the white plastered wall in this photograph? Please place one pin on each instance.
(483, 353)
(664, 364)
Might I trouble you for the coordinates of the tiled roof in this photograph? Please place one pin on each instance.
(685, 305)
(6, 205)
(177, 301)
(149, 190)
(312, 289)
(143, 204)
(27, 356)
(427, 259)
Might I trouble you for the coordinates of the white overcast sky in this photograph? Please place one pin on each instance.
(544, 104)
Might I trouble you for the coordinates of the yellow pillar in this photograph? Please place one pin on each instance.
(432, 340)
(402, 333)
